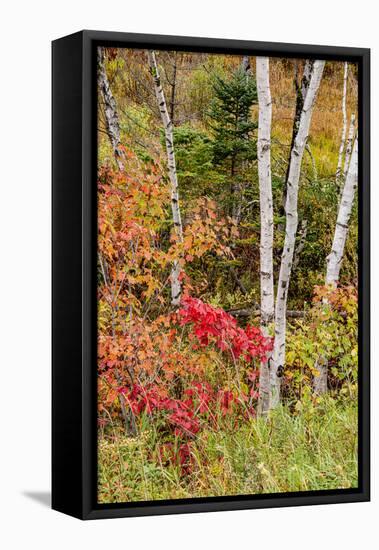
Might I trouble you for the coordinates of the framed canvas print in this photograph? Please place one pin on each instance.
(210, 274)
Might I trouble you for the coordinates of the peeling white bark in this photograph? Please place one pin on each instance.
(297, 153)
(266, 211)
(110, 109)
(349, 146)
(334, 259)
(171, 164)
(265, 189)
(344, 124)
(301, 94)
(306, 77)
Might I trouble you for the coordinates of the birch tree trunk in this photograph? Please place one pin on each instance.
(349, 146)
(245, 65)
(266, 211)
(334, 259)
(297, 152)
(301, 94)
(173, 90)
(171, 164)
(110, 109)
(344, 124)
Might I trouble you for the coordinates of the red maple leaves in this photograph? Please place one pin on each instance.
(181, 413)
(211, 324)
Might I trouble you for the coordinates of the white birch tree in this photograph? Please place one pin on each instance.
(110, 110)
(349, 145)
(245, 65)
(171, 164)
(335, 257)
(266, 212)
(334, 260)
(344, 125)
(277, 365)
(301, 89)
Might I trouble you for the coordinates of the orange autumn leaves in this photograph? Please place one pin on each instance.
(136, 243)
(137, 342)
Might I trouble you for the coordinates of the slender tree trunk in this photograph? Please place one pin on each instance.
(246, 64)
(301, 93)
(113, 131)
(320, 382)
(169, 140)
(110, 109)
(344, 124)
(297, 152)
(173, 91)
(334, 260)
(349, 146)
(266, 211)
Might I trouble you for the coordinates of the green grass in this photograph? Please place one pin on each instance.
(312, 449)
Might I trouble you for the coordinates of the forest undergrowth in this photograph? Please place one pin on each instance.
(227, 332)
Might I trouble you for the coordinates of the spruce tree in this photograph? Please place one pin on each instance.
(230, 120)
(234, 144)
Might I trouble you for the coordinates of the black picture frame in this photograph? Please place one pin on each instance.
(74, 229)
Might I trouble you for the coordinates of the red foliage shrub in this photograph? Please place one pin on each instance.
(213, 324)
(201, 407)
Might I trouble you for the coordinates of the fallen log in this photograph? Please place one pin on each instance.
(251, 312)
(255, 312)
